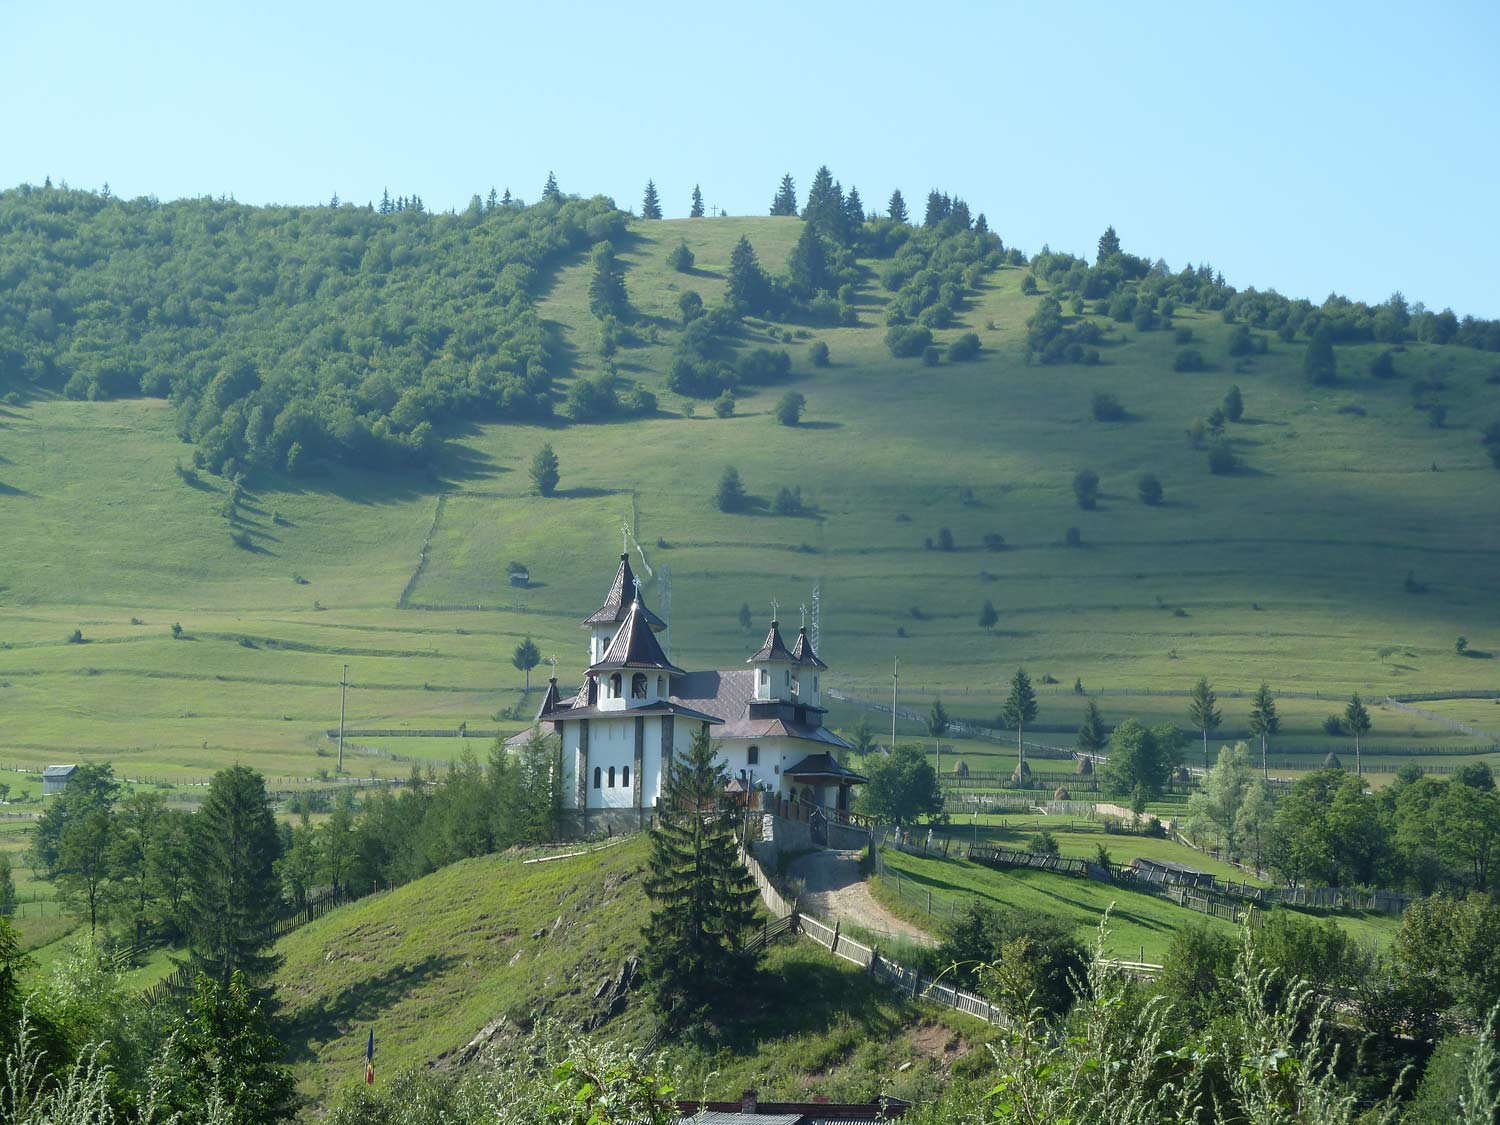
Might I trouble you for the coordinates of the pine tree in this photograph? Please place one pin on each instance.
(1204, 712)
(697, 210)
(981, 224)
(493, 201)
(386, 206)
(702, 895)
(938, 207)
(959, 215)
(1264, 721)
(505, 200)
(747, 284)
(1357, 721)
(544, 470)
(819, 195)
(988, 616)
(607, 286)
(807, 266)
(550, 190)
(525, 658)
(1109, 245)
(785, 202)
(1092, 735)
(650, 203)
(937, 719)
(232, 886)
(1020, 709)
(854, 210)
(896, 208)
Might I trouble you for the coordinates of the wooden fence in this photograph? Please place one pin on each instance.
(991, 856)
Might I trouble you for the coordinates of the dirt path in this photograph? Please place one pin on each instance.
(836, 889)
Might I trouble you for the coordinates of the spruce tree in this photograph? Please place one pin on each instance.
(1264, 721)
(493, 201)
(232, 889)
(819, 195)
(526, 657)
(650, 203)
(807, 265)
(550, 190)
(386, 207)
(1020, 709)
(988, 616)
(703, 897)
(1092, 735)
(854, 210)
(981, 224)
(747, 282)
(937, 719)
(937, 208)
(896, 208)
(785, 202)
(544, 470)
(1204, 712)
(607, 286)
(505, 199)
(1357, 722)
(697, 211)
(1109, 245)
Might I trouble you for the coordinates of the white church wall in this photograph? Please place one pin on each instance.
(611, 746)
(651, 764)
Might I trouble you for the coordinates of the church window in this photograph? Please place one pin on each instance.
(625, 777)
(765, 681)
(752, 756)
(815, 684)
(638, 686)
(611, 777)
(786, 678)
(614, 686)
(596, 777)
(661, 687)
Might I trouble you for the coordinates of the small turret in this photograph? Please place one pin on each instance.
(634, 670)
(774, 664)
(605, 621)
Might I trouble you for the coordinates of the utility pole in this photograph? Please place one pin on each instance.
(895, 688)
(343, 696)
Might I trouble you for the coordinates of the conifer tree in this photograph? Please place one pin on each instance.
(505, 199)
(607, 286)
(1264, 721)
(550, 190)
(747, 285)
(854, 210)
(820, 193)
(544, 470)
(1092, 735)
(697, 210)
(1319, 362)
(386, 206)
(785, 202)
(981, 224)
(702, 895)
(896, 208)
(937, 719)
(807, 265)
(1020, 709)
(1357, 722)
(959, 214)
(232, 887)
(988, 616)
(1109, 245)
(650, 203)
(526, 657)
(938, 207)
(1204, 712)
(493, 201)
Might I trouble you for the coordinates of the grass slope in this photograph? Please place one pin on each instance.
(430, 964)
(1290, 571)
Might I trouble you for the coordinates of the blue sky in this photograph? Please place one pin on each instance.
(1313, 148)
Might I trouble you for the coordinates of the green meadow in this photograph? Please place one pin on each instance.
(1292, 570)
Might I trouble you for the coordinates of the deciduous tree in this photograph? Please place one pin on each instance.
(526, 657)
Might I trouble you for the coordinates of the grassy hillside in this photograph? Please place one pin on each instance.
(1291, 570)
(495, 944)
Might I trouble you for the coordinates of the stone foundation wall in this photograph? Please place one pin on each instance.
(585, 824)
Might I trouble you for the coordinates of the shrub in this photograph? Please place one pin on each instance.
(176, 630)
(1073, 537)
(1086, 488)
(724, 405)
(819, 354)
(1188, 359)
(241, 539)
(789, 502)
(1150, 489)
(945, 539)
(931, 356)
(966, 347)
(680, 258)
(1106, 407)
(906, 341)
(789, 409)
(1383, 366)
(1333, 724)
(763, 365)
(75, 637)
(1182, 336)
(690, 305)
(1221, 460)
(730, 496)
(1234, 404)
(1028, 285)
(993, 541)
(1240, 342)
(1043, 843)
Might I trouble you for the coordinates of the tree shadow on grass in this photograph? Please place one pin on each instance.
(819, 426)
(1470, 653)
(360, 1003)
(12, 490)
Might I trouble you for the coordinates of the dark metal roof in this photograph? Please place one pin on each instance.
(658, 707)
(550, 701)
(635, 645)
(804, 654)
(824, 765)
(59, 771)
(618, 601)
(773, 649)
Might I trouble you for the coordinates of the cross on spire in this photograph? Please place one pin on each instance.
(624, 537)
(803, 608)
(637, 589)
(775, 605)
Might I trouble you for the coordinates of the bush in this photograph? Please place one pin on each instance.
(1383, 366)
(1182, 336)
(1150, 489)
(789, 502)
(763, 365)
(681, 258)
(1188, 359)
(1086, 488)
(945, 539)
(1028, 285)
(965, 348)
(1221, 460)
(1073, 537)
(789, 409)
(724, 405)
(1234, 404)
(1043, 843)
(1240, 342)
(730, 496)
(906, 341)
(1333, 724)
(691, 306)
(931, 356)
(993, 541)
(176, 630)
(819, 354)
(75, 637)
(1106, 407)
(241, 539)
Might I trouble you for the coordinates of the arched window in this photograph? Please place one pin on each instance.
(596, 777)
(815, 685)
(638, 686)
(625, 777)
(765, 682)
(786, 678)
(752, 756)
(614, 686)
(661, 687)
(611, 777)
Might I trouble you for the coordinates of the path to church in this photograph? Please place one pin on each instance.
(836, 889)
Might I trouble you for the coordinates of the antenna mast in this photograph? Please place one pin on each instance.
(815, 633)
(665, 600)
(343, 696)
(895, 689)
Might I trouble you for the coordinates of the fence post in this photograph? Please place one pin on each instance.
(929, 902)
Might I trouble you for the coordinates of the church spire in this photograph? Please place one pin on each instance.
(622, 591)
(803, 653)
(774, 647)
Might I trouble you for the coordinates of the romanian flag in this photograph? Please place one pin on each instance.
(370, 1059)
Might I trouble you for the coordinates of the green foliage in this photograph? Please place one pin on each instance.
(1383, 366)
(1319, 363)
(1222, 460)
(1020, 705)
(526, 657)
(607, 284)
(650, 202)
(1188, 359)
(1203, 711)
(748, 289)
(1086, 488)
(681, 259)
(904, 342)
(544, 470)
(1234, 404)
(818, 353)
(730, 496)
(895, 209)
(1093, 736)
(1232, 809)
(988, 616)
(903, 787)
(963, 349)
(789, 408)
(937, 719)
(789, 502)
(696, 211)
(1150, 489)
(1041, 950)
(1141, 759)
(703, 900)
(307, 354)
(1105, 407)
(724, 405)
(785, 202)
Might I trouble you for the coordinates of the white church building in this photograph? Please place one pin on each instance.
(635, 709)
